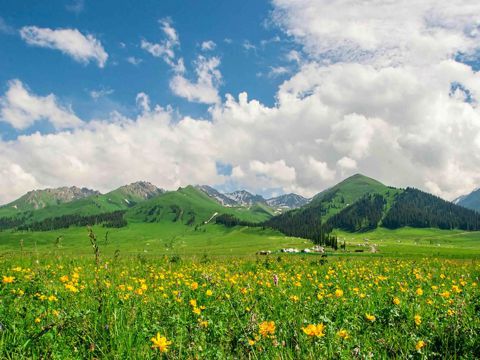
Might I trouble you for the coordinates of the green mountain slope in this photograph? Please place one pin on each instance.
(347, 192)
(122, 198)
(40, 199)
(190, 206)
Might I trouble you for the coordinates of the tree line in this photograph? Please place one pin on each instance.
(113, 220)
(419, 209)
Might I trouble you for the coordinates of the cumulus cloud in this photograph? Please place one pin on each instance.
(387, 32)
(82, 48)
(372, 95)
(205, 88)
(20, 108)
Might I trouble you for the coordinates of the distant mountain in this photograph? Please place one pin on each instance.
(217, 195)
(470, 201)
(135, 192)
(244, 198)
(120, 199)
(40, 199)
(287, 201)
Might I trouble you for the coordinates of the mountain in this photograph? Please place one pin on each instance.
(217, 195)
(134, 193)
(287, 201)
(470, 201)
(40, 199)
(360, 203)
(244, 198)
(190, 206)
(347, 192)
(117, 200)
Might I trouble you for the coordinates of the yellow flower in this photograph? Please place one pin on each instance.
(420, 344)
(204, 323)
(193, 302)
(396, 300)
(267, 328)
(196, 310)
(339, 293)
(445, 294)
(343, 334)
(37, 320)
(314, 330)
(419, 292)
(418, 319)
(194, 286)
(209, 292)
(370, 318)
(160, 342)
(8, 279)
(251, 342)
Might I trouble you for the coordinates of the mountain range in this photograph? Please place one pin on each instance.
(470, 201)
(358, 203)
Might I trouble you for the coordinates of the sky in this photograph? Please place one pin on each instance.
(270, 96)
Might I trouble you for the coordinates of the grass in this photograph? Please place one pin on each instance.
(416, 242)
(288, 307)
(156, 239)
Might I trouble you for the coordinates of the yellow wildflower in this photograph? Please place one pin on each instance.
(420, 344)
(8, 279)
(267, 328)
(370, 317)
(343, 334)
(314, 330)
(160, 342)
(418, 319)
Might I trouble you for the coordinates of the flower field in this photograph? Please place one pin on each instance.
(267, 307)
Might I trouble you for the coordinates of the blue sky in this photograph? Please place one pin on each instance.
(120, 27)
(271, 96)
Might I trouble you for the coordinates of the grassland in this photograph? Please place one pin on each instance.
(288, 307)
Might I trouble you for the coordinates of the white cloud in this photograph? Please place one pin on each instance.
(276, 71)
(143, 102)
(166, 48)
(205, 88)
(21, 109)
(134, 61)
(247, 45)
(373, 94)
(69, 41)
(97, 94)
(208, 45)
(387, 32)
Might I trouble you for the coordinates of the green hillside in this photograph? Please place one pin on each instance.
(39, 199)
(347, 192)
(122, 198)
(190, 206)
